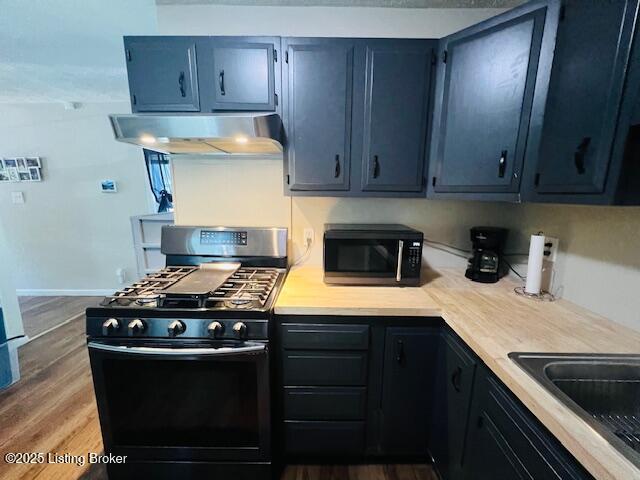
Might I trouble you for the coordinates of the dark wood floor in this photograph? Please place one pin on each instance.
(52, 408)
(40, 314)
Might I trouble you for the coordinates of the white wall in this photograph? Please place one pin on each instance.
(317, 21)
(69, 235)
(598, 266)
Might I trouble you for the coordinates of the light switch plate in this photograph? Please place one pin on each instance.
(17, 198)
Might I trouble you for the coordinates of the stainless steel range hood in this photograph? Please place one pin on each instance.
(203, 134)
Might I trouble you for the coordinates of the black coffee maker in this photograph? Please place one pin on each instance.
(487, 265)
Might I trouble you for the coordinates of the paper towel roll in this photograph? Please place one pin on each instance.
(534, 267)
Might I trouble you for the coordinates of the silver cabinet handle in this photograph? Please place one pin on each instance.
(399, 267)
(176, 351)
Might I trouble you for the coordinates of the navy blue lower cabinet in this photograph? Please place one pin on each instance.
(410, 359)
(450, 415)
(506, 442)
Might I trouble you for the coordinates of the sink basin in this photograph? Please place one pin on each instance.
(602, 389)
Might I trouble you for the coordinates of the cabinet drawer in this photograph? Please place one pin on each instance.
(325, 368)
(325, 337)
(324, 403)
(324, 438)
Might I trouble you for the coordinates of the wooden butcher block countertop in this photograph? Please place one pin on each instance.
(493, 321)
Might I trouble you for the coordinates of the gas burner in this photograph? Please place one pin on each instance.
(247, 288)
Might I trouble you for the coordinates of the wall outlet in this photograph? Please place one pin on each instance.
(308, 236)
(550, 248)
(17, 198)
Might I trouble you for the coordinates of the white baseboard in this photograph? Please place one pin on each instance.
(47, 292)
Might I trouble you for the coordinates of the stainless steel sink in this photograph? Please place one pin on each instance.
(602, 389)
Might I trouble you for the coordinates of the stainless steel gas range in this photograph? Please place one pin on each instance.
(180, 359)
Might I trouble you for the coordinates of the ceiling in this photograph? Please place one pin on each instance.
(355, 3)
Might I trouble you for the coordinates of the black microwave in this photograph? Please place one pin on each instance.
(368, 254)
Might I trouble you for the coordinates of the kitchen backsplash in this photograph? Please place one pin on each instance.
(598, 265)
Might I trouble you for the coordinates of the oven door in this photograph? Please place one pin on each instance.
(164, 400)
(367, 261)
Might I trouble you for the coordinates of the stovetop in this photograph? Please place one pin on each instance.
(248, 289)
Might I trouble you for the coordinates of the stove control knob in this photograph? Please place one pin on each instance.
(136, 327)
(110, 326)
(176, 328)
(215, 329)
(240, 329)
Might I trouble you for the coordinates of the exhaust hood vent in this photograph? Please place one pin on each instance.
(223, 134)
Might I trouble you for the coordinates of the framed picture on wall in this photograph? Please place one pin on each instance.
(10, 163)
(33, 162)
(24, 176)
(34, 174)
(4, 176)
(21, 163)
(13, 174)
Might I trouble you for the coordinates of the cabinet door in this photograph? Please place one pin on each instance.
(395, 119)
(456, 372)
(317, 113)
(242, 74)
(408, 382)
(163, 76)
(486, 81)
(506, 441)
(587, 79)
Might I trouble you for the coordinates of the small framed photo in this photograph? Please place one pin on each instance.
(108, 186)
(21, 163)
(34, 174)
(33, 162)
(13, 174)
(10, 163)
(4, 176)
(24, 176)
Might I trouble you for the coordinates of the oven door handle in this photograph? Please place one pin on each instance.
(253, 348)
(399, 267)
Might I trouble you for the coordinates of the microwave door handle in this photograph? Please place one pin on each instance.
(399, 267)
(177, 351)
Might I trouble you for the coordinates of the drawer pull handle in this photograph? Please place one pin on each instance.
(336, 173)
(580, 153)
(399, 351)
(183, 91)
(502, 164)
(221, 83)
(456, 378)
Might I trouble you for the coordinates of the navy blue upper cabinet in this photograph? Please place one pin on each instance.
(239, 73)
(163, 74)
(356, 109)
(317, 110)
(569, 160)
(395, 117)
(486, 86)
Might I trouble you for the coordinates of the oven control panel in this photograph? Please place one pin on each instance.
(193, 328)
(219, 237)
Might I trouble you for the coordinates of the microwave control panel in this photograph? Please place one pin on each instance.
(415, 256)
